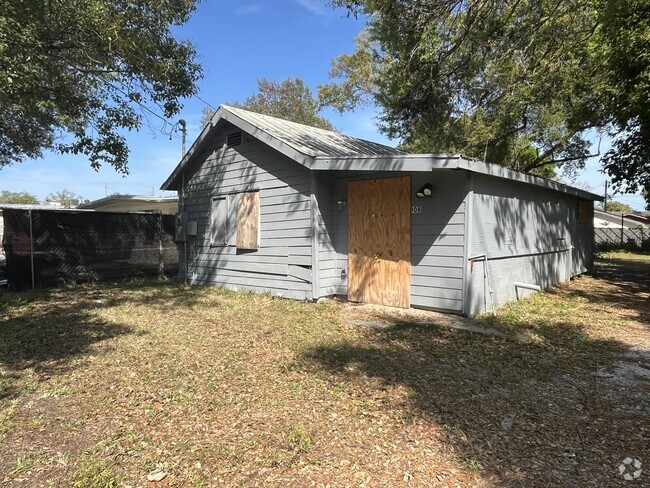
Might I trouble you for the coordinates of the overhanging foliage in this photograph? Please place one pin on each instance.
(90, 69)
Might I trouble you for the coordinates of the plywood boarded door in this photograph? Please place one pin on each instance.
(379, 241)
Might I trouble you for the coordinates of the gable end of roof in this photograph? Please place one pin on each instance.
(299, 142)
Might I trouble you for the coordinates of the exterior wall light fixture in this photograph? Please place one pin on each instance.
(425, 191)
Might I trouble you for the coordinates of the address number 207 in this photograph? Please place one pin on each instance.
(416, 209)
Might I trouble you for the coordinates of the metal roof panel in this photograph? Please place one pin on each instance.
(312, 141)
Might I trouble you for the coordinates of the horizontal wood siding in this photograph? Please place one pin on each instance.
(437, 239)
(326, 232)
(437, 242)
(282, 264)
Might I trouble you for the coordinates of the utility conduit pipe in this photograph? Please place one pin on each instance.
(486, 281)
(527, 286)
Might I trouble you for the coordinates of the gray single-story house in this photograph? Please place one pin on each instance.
(273, 206)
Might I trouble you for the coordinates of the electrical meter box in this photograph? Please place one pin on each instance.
(191, 228)
(181, 227)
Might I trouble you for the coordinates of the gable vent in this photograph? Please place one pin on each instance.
(234, 139)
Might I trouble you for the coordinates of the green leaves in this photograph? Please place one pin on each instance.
(18, 197)
(290, 99)
(90, 69)
(514, 82)
(625, 47)
(65, 197)
(614, 206)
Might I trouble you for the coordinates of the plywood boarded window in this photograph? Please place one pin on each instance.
(248, 220)
(219, 221)
(583, 211)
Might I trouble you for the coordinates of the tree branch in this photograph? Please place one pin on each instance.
(558, 161)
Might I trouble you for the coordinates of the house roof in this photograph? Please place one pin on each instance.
(101, 202)
(310, 141)
(297, 141)
(27, 206)
(319, 149)
(615, 218)
(639, 218)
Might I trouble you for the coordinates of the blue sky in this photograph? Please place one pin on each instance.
(238, 42)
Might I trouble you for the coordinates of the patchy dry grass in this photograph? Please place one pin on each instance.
(102, 385)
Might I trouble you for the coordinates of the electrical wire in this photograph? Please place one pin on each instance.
(206, 103)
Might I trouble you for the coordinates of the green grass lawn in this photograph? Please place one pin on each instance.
(103, 385)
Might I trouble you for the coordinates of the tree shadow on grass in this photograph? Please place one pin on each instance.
(163, 294)
(619, 289)
(624, 270)
(533, 413)
(46, 331)
(631, 278)
(42, 334)
(475, 385)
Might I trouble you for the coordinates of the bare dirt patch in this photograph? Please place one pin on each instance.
(103, 385)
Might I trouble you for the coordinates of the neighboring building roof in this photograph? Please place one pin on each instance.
(26, 206)
(126, 202)
(642, 219)
(319, 149)
(612, 219)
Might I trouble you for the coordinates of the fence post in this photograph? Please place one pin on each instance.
(622, 222)
(31, 248)
(161, 264)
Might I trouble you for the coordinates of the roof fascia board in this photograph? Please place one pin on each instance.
(430, 162)
(388, 162)
(507, 173)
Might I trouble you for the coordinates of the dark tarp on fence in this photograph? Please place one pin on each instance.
(73, 246)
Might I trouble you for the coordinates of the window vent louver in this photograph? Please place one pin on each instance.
(234, 139)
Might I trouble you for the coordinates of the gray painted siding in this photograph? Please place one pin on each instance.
(437, 242)
(326, 219)
(529, 234)
(282, 265)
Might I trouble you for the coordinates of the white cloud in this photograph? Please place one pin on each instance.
(249, 9)
(317, 7)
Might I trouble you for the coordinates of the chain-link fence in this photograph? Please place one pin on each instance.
(50, 247)
(621, 238)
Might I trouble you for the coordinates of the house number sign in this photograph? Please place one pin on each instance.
(416, 209)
